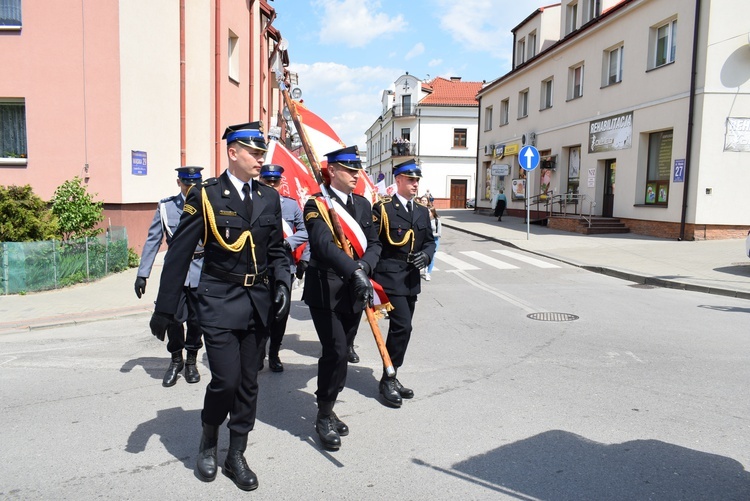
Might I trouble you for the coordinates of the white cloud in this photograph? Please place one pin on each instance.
(435, 62)
(355, 23)
(415, 51)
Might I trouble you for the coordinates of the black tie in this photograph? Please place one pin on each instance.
(350, 205)
(248, 200)
(409, 206)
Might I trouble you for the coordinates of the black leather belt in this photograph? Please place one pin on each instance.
(198, 255)
(247, 280)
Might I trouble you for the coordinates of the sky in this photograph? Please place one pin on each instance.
(347, 52)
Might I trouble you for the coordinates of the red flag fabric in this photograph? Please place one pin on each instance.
(296, 182)
(322, 138)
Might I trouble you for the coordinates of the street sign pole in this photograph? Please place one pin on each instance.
(528, 157)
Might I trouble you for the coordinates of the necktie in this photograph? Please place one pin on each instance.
(350, 205)
(248, 199)
(410, 206)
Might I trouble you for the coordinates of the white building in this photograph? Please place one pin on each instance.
(603, 89)
(435, 123)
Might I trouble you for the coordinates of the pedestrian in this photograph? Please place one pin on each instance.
(239, 220)
(337, 287)
(437, 229)
(500, 203)
(429, 196)
(295, 236)
(164, 224)
(408, 247)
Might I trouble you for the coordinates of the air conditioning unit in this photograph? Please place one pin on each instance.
(489, 149)
(529, 138)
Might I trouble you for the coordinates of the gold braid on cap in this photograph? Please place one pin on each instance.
(238, 245)
(384, 222)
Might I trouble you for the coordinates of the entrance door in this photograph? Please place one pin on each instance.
(458, 193)
(609, 187)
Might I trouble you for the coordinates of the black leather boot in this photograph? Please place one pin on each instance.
(389, 391)
(235, 466)
(340, 425)
(352, 355)
(170, 377)
(191, 371)
(403, 391)
(207, 453)
(325, 425)
(274, 362)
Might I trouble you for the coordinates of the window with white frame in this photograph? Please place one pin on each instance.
(571, 17)
(658, 167)
(488, 118)
(406, 133)
(233, 54)
(664, 43)
(575, 81)
(590, 10)
(13, 128)
(546, 94)
(523, 103)
(613, 65)
(520, 51)
(532, 44)
(504, 111)
(10, 14)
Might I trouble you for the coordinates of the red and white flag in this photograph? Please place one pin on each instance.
(296, 182)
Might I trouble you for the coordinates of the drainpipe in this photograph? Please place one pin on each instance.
(478, 175)
(183, 134)
(691, 111)
(217, 89)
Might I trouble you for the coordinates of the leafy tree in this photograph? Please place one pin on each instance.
(24, 216)
(76, 210)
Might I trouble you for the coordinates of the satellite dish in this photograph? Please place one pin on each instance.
(283, 44)
(296, 93)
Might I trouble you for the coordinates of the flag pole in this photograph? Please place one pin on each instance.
(338, 230)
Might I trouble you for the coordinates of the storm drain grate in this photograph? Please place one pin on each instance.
(548, 316)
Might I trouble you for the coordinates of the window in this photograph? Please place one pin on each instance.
(574, 171)
(459, 138)
(590, 10)
(406, 134)
(12, 128)
(665, 45)
(571, 17)
(488, 118)
(613, 66)
(575, 82)
(532, 44)
(406, 105)
(504, 111)
(546, 93)
(233, 52)
(520, 51)
(523, 103)
(658, 169)
(10, 14)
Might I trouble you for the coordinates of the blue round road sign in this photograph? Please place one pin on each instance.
(528, 157)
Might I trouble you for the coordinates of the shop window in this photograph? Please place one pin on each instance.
(13, 129)
(659, 167)
(574, 172)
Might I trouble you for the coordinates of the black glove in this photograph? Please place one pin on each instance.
(301, 267)
(362, 287)
(287, 245)
(159, 324)
(420, 260)
(140, 286)
(281, 301)
(364, 266)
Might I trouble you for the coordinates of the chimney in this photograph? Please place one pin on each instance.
(455, 79)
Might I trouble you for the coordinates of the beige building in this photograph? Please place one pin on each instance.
(122, 92)
(603, 90)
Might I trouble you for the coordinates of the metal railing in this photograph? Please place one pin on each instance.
(399, 110)
(567, 204)
(403, 149)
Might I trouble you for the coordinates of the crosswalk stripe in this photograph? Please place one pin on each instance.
(500, 265)
(456, 263)
(526, 259)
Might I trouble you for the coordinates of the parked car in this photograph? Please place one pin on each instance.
(747, 245)
(470, 203)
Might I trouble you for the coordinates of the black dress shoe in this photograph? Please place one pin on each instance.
(274, 363)
(340, 425)
(326, 428)
(352, 355)
(175, 367)
(390, 392)
(404, 392)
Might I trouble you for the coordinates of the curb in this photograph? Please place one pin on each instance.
(66, 320)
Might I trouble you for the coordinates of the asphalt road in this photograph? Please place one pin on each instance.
(643, 395)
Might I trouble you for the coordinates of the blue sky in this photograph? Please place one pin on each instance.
(346, 52)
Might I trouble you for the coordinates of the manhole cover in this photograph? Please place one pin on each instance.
(552, 317)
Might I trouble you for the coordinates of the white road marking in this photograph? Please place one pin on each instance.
(455, 262)
(528, 308)
(500, 265)
(526, 259)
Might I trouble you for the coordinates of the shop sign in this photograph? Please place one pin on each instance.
(737, 137)
(611, 133)
(500, 169)
(511, 149)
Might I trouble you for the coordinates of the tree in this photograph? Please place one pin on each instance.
(77, 212)
(24, 217)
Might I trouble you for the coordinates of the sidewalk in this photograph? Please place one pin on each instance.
(715, 267)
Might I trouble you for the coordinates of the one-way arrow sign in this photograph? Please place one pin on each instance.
(528, 157)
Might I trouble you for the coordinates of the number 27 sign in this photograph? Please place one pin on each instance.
(679, 170)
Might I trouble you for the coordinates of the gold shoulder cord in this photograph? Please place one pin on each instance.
(238, 245)
(323, 209)
(384, 221)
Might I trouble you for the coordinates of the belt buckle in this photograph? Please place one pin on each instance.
(252, 281)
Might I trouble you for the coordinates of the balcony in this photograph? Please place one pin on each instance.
(403, 150)
(400, 110)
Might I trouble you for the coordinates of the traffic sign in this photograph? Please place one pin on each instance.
(528, 157)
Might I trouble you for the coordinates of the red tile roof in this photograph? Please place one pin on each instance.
(445, 92)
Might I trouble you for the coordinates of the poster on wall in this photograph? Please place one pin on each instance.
(737, 137)
(611, 133)
(651, 193)
(519, 189)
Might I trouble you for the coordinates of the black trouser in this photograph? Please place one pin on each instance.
(233, 360)
(187, 310)
(399, 327)
(336, 331)
(499, 208)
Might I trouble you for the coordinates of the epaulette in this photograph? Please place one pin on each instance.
(167, 199)
(386, 200)
(210, 181)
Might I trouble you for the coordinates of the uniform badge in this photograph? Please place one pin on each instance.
(226, 233)
(190, 209)
(226, 192)
(227, 213)
(311, 215)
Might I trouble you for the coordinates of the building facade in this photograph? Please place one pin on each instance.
(122, 92)
(603, 90)
(435, 123)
